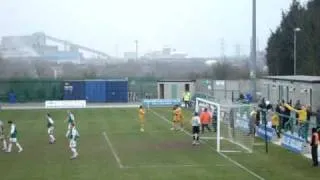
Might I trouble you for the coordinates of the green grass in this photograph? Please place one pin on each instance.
(156, 154)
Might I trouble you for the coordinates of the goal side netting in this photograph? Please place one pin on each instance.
(234, 128)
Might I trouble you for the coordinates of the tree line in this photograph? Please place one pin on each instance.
(280, 47)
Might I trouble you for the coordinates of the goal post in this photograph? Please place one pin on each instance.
(234, 128)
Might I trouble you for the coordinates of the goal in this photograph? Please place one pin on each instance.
(234, 130)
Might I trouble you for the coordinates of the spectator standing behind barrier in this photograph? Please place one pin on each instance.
(309, 114)
(318, 117)
(314, 147)
(275, 123)
(252, 122)
(302, 119)
(285, 124)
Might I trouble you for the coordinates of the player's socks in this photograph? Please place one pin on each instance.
(9, 147)
(197, 139)
(52, 138)
(19, 146)
(74, 152)
(4, 144)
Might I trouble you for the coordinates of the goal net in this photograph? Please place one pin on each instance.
(234, 129)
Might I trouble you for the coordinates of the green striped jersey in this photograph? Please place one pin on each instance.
(50, 122)
(74, 135)
(1, 128)
(70, 118)
(13, 131)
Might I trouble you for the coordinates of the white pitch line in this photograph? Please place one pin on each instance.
(230, 151)
(208, 138)
(162, 166)
(221, 154)
(136, 132)
(170, 166)
(112, 150)
(259, 144)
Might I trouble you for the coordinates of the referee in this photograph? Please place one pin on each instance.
(195, 122)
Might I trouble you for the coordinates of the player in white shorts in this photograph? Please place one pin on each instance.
(50, 125)
(2, 138)
(70, 121)
(195, 122)
(73, 137)
(13, 137)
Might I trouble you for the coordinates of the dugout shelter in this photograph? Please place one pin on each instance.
(174, 89)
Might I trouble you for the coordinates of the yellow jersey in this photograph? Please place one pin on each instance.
(141, 114)
(275, 120)
(301, 113)
(178, 116)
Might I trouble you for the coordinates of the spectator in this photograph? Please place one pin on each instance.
(318, 117)
(252, 122)
(286, 116)
(302, 119)
(314, 146)
(275, 123)
(297, 105)
(309, 114)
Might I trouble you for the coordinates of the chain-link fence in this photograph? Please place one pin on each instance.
(142, 89)
(41, 90)
(224, 90)
(30, 90)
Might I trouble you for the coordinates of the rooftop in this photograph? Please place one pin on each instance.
(297, 78)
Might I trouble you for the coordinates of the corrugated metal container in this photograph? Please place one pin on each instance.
(74, 90)
(95, 90)
(116, 90)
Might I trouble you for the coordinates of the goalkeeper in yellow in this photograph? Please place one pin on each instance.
(177, 118)
(141, 118)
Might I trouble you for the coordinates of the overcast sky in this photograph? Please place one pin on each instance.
(192, 26)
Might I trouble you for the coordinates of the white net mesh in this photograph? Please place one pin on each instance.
(234, 128)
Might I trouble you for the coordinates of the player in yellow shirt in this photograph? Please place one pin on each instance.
(177, 118)
(141, 118)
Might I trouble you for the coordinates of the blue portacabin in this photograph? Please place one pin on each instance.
(117, 90)
(95, 90)
(74, 90)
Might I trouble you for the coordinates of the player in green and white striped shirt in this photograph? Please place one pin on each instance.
(50, 125)
(70, 120)
(13, 137)
(73, 137)
(2, 138)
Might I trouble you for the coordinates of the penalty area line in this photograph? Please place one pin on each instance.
(170, 166)
(115, 155)
(221, 154)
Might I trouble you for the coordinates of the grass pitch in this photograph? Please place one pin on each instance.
(112, 147)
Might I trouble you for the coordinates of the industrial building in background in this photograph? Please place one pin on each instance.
(36, 47)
